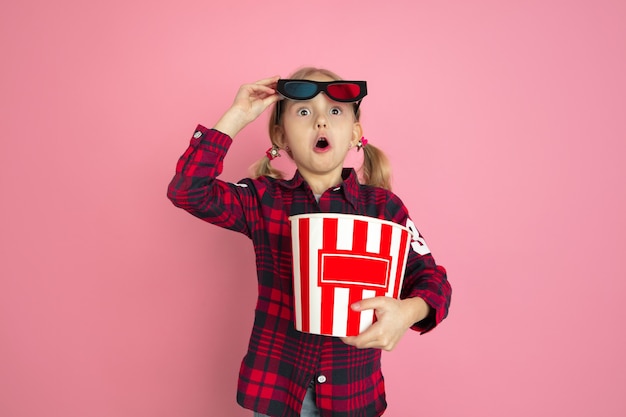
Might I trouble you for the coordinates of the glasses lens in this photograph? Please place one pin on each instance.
(300, 89)
(344, 91)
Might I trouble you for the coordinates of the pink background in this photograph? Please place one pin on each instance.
(505, 123)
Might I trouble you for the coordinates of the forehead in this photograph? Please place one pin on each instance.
(318, 77)
(320, 99)
(322, 96)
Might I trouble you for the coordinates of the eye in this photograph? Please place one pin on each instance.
(304, 112)
(335, 111)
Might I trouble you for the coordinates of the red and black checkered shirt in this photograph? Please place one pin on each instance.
(281, 362)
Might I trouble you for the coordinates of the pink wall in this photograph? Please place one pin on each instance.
(505, 124)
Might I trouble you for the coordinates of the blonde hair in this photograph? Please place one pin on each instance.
(375, 171)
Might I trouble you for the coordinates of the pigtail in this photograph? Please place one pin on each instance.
(263, 168)
(376, 168)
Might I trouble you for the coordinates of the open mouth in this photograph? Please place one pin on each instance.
(322, 143)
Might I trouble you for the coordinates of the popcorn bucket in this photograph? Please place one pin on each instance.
(339, 259)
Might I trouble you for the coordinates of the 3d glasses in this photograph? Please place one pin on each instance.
(342, 91)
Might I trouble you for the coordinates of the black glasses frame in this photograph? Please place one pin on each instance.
(320, 86)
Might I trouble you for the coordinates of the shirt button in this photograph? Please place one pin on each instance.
(321, 379)
(197, 134)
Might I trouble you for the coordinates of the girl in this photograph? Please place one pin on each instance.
(316, 122)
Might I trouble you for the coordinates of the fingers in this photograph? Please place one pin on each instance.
(260, 90)
(369, 304)
(250, 101)
(386, 331)
(266, 85)
(255, 91)
(374, 337)
(269, 81)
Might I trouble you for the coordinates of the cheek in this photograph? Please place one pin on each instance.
(292, 123)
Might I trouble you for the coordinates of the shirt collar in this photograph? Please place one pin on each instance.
(349, 185)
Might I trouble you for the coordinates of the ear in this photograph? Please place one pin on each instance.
(278, 136)
(357, 134)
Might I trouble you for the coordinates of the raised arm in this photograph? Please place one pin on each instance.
(195, 187)
(251, 100)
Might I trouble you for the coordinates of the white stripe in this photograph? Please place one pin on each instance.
(405, 258)
(297, 291)
(367, 316)
(340, 315)
(315, 292)
(396, 236)
(345, 233)
(373, 237)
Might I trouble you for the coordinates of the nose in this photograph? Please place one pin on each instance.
(321, 121)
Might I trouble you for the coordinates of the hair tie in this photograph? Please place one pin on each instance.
(272, 152)
(361, 143)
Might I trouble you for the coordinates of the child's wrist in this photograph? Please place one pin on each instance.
(231, 123)
(418, 309)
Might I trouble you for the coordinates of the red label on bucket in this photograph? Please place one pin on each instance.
(348, 269)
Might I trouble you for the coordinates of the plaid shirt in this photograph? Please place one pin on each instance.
(281, 362)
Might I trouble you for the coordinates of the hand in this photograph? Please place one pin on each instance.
(393, 318)
(251, 100)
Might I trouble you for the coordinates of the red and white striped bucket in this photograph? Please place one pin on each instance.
(339, 259)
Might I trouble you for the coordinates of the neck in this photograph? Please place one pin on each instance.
(321, 183)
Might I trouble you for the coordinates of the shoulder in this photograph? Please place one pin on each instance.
(263, 184)
(383, 203)
(371, 192)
